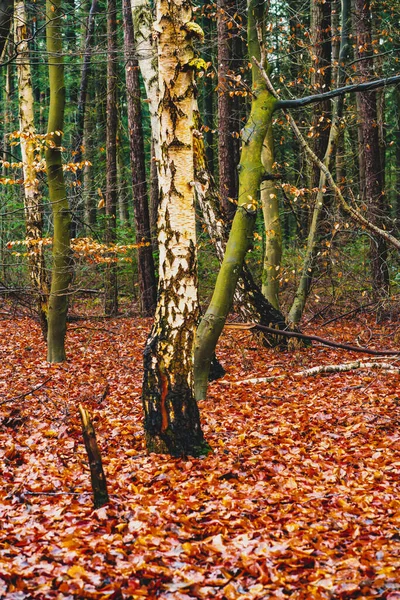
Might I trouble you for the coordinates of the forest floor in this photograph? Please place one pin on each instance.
(300, 497)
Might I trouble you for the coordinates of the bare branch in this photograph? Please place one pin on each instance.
(353, 212)
(356, 87)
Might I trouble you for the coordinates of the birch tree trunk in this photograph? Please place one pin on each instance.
(62, 266)
(32, 195)
(172, 422)
(146, 50)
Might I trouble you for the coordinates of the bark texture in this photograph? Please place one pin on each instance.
(370, 148)
(33, 202)
(172, 423)
(62, 265)
(146, 272)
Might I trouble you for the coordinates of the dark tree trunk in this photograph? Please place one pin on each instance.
(111, 291)
(154, 198)
(77, 143)
(370, 149)
(227, 166)
(321, 75)
(146, 272)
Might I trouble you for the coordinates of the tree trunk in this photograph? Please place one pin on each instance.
(172, 422)
(6, 14)
(272, 224)
(240, 238)
(110, 284)
(154, 197)
(320, 34)
(146, 48)
(249, 301)
(146, 272)
(78, 140)
(62, 266)
(370, 149)
(303, 289)
(33, 197)
(227, 166)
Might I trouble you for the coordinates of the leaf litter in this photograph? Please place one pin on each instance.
(300, 497)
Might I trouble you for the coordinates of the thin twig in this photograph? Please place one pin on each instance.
(32, 391)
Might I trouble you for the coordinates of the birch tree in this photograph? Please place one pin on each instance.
(172, 422)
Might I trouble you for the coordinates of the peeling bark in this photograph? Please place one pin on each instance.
(172, 423)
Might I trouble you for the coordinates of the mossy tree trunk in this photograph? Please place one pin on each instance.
(172, 423)
(241, 235)
(272, 224)
(32, 195)
(61, 266)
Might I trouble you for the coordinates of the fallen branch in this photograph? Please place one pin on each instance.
(98, 479)
(32, 391)
(352, 366)
(312, 338)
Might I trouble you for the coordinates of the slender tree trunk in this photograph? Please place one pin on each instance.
(227, 166)
(88, 198)
(370, 149)
(249, 301)
(110, 287)
(33, 197)
(172, 421)
(78, 141)
(250, 174)
(320, 30)
(272, 224)
(146, 272)
(61, 267)
(154, 197)
(6, 14)
(303, 289)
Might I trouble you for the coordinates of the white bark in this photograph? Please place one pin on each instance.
(146, 48)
